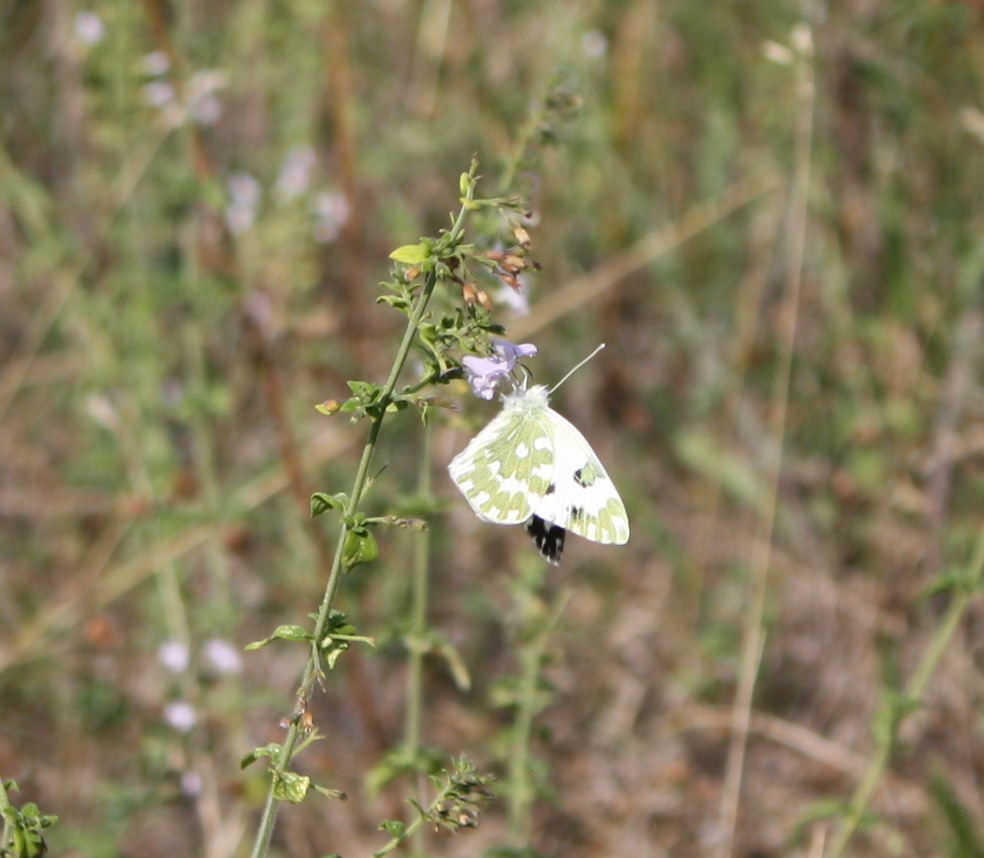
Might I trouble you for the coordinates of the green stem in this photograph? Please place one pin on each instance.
(418, 616)
(521, 792)
(417, 633)
(931, 657)
(311, 670)
(414, 826)
(4, 804)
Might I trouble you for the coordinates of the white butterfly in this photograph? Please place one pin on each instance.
(531, 465)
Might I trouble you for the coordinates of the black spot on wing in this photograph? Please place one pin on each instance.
(549, 538)
(551, 489)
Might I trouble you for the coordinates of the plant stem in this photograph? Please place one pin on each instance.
(311, 670)
(521, 788)
(753, 636)
(4, 804)
(938, 644)
(418, 616)
(415, 641)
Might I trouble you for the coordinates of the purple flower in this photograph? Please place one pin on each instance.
(223, 657)
(485, 374)
(180, 715)
(89, 28)
(174, 655)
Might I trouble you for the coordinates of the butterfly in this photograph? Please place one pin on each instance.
(531, 466)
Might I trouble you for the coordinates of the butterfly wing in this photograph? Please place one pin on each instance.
(581, 497)
(506, 468)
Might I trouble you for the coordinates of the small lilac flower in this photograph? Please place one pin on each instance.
(180, 715)
(191, 783)
(174, 656)
(485, 374)
(295, 174)
(156, 63)
(204, 105)
(243, 188)
(223, 656)
(331, 210)
(89, 28)
(102, 410)
(244, 193)
(159, 93)
(594, 44)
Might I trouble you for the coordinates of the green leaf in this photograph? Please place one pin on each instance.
(290, 786)
(394, 828)
(409, 523)
(292, 633)
(397, 302)
(410, 254)
(365, 391)
(333, 652)
(34, 845)
(456, 665)
(322, 503)
(963, 829)
(285, 633)
(330, 793)
(360, 547)
(272, 751)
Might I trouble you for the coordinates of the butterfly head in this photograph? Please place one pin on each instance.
(526, 399)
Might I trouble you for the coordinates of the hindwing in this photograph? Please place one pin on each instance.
(581, 496)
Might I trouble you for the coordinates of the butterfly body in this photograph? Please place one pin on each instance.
(531, 465)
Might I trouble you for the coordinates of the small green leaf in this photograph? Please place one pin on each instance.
(272, 751)
(285, 633)
(292, 633)
(410, 254)
(334, 651)
(34, 845)
(322, 503)
(365, 391)
(290, 786)
(330, 793)
(397, 302)
(409, 523)
(394, 828)
(456, 665)
(360, 547)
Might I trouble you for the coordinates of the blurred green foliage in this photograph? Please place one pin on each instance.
(197, 201)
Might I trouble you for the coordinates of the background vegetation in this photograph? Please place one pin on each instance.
(770, 211)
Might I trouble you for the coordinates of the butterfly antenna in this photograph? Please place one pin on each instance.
(582, 363)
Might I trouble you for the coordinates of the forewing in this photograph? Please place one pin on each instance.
(506, 468)
(581, 497)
